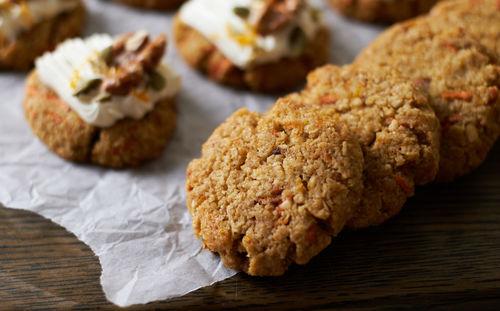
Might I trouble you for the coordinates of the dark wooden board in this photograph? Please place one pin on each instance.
(441, 252)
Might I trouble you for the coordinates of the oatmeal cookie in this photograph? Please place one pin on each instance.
(127, 143)
(479, 18)
(284, 74)
(153, 4)
(44, 36)
(395, 125)
(271, 190)
(461, 79)
(382, 11)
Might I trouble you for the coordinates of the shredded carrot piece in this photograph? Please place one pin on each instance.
(450, 47)
(329, 99)
(48, 96)
(403, 184)
(465, 95)
(311, 234)
(493, 93)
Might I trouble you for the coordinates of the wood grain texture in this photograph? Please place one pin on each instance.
(441, 252)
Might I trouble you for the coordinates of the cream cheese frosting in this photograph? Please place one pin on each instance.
(16, 17)
(77, 61)
(236, 37)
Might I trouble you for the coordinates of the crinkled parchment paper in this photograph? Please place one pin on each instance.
(136, 220)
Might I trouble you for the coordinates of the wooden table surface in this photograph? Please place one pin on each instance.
(441, 252)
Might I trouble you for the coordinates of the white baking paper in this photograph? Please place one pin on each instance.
(136, 220)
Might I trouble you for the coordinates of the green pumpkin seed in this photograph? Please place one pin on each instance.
(315, 15)
(242, 12)
(107, 55)
(103, 97)
(87, 86)
(156, 81)
(297, 40)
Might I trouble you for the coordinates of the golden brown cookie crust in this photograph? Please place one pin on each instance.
(282, 75)
(164, 5)
(461, 79)
(271, 190)
(127, 143)
(382, 11)
(396, 127)
(44, 36)
(479, 18)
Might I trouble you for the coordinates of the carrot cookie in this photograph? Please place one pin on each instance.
(382, 11)
(479, 18)
(461, 79)
(265, 46)
(271, 190)
(28, 28)
(153, 4)
(103, 100)
(396, 127)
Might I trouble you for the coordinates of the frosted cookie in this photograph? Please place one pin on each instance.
(271, 190)
(396, 127)
(28, 28)
(153, 4)
(103, 100)
(479, 18)
(461, 79)
(382, 11)
(265, 46)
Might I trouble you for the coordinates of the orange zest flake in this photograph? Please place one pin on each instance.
(465, 95)
(247, 38)
(141, 95)
(74, 79)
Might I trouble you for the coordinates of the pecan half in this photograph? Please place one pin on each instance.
(132, 60)
(277, 14)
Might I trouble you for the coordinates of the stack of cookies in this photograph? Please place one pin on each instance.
(421, 102)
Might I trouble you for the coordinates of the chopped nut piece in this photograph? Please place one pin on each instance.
(277, 14)
(136, 41)
(131, 66)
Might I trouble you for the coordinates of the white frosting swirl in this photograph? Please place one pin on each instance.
(18, 17)
(74, 62)
(236, 37)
